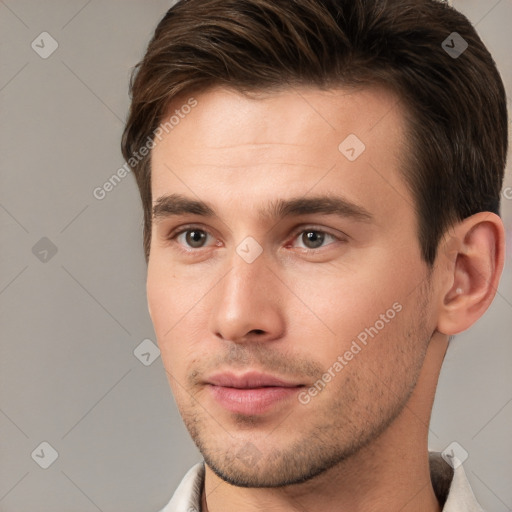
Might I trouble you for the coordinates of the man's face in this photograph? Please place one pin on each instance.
(291, 336)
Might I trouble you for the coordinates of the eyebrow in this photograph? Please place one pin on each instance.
(176, 204)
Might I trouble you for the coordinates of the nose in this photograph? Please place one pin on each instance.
(248, 304)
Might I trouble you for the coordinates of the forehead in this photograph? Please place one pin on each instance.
(282, 142)
(224, 117)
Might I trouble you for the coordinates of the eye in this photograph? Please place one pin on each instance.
(313, 238)
(193, 238)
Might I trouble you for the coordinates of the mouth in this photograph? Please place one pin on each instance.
(251, 393)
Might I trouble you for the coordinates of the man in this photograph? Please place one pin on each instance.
(320, 182)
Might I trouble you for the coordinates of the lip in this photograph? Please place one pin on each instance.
(249, 380)
(251, 393)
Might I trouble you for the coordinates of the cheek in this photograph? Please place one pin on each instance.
(168, 314)
(170, 295)
(343, 302)
(161, 303)
(376, 366)
(368, 317)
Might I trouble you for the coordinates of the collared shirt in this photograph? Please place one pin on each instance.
(450, 485)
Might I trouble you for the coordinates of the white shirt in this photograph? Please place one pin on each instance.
(450, 485)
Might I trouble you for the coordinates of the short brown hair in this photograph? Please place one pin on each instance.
(457, 112)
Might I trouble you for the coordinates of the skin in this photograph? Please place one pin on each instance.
(360, 443)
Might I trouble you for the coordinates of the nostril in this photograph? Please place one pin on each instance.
(257, 331)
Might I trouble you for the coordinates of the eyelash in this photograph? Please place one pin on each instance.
(174, 235)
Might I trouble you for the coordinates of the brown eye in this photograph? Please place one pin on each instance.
(313, 239)
(190, 238)
(195, 238)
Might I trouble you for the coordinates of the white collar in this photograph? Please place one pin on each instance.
(445, 480)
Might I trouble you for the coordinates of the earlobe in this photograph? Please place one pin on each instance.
(474, 272)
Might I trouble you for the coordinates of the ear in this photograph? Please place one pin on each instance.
(471, 259)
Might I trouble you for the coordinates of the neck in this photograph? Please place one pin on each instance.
(391, 473)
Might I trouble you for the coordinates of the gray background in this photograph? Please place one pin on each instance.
(70, 321)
